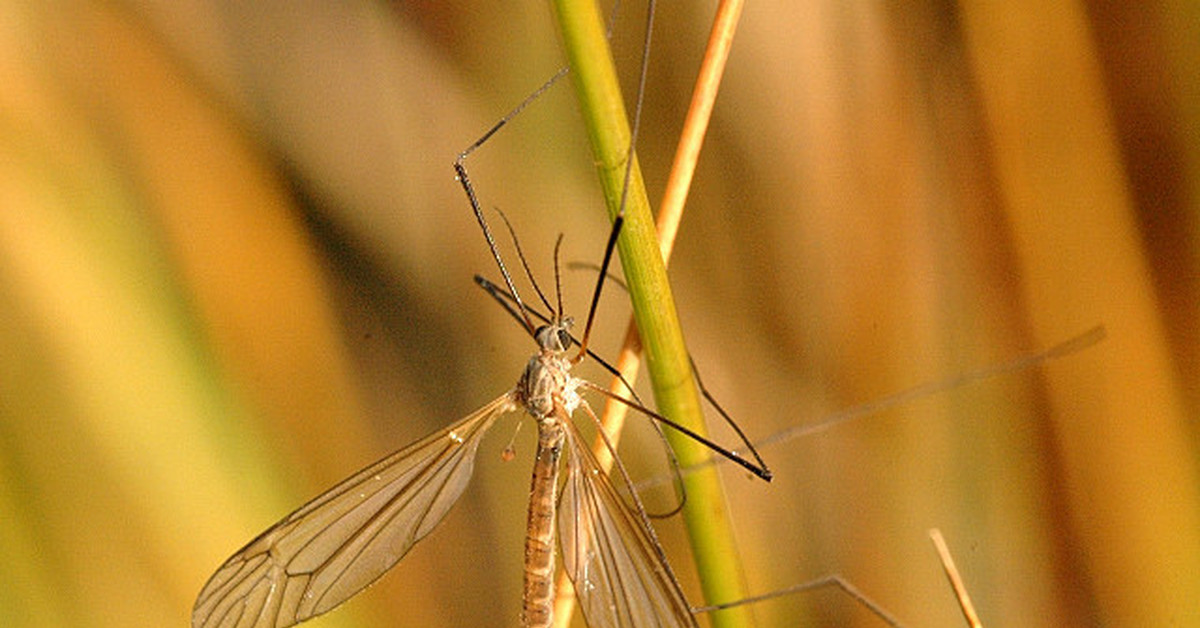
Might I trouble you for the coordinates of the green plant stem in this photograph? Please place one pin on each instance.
(706, 514)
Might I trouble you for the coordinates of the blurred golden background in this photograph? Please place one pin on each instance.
(235, 267)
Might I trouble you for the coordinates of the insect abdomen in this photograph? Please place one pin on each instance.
(539, 535)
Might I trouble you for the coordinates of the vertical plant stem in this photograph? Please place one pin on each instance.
(670, 214)
(598, 91)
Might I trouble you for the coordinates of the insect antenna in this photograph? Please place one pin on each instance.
(525, 263)
(558, 314)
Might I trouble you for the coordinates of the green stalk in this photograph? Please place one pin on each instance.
(706, 514)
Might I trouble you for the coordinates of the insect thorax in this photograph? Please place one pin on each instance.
(546, 381)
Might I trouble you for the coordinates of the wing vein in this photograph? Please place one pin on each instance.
(343, 540)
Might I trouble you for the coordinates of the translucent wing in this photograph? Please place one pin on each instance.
(340, 542)
(621, 578)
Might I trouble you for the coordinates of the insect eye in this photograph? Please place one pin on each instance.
(549, 337)
(564, 339)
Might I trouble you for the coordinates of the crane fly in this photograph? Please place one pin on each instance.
(343, 540)
(340, 542)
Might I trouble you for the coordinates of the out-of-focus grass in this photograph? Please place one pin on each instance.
(234, 267)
